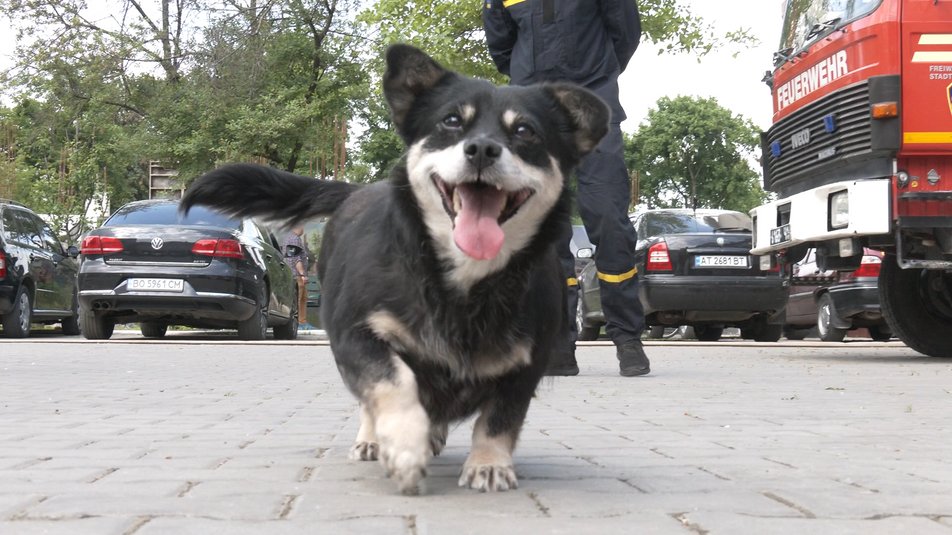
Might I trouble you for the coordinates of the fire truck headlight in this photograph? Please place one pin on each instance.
(839, 209)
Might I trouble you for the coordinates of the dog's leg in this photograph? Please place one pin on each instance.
(489, 465)
(402, 427)
(365, 446)
(438, 434)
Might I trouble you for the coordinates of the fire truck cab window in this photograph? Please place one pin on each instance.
(805, 21)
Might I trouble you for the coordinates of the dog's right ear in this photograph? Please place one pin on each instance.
(410, 73)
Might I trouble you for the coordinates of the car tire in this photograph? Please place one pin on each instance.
(586, 333)
(917, 304)
(16, 323)
(656, 331)
(71, 324)
(151, 329)
(94, 326)
(708, 333)
(770, 332)
(256, 326)
(825, 312)
(761, 331)
(793, 333)
(879, 333)
(288, 330)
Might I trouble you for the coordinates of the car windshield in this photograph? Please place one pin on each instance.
(661, 223)
(168, 214)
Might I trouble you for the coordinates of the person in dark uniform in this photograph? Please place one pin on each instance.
(588, 42)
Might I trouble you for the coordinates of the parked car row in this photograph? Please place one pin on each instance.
(835, 302)
(696, 272)
(146, 264)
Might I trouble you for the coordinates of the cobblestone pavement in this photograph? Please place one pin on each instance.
(184, 437)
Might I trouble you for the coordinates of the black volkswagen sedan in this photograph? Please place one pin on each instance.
(695, 269)
(148, 264)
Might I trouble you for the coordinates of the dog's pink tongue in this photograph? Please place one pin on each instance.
(477, 232)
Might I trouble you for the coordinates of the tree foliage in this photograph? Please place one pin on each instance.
(101, 90)
(692, 152)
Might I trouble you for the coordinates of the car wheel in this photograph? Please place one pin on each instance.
(256, 326)
(708, 333)
(16, 323)
(656, 332)
(825, 312)
(71, 324)
(152, 329)
(586, 332)
(769, 333)
(94, 326)
(792, 333)
(880, 333)
(289, 330)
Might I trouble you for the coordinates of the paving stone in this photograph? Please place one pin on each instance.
(233, 438)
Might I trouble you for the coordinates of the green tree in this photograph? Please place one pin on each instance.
(99, 92)
(692, 152)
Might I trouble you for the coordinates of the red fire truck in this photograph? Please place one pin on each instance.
(860, 152)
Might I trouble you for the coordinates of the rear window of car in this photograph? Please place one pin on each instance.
(168, 214)
(676, 223)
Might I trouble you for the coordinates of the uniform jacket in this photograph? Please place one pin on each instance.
(588, 42)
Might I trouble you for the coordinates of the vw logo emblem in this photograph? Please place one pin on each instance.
(157, 243)
(720, 241)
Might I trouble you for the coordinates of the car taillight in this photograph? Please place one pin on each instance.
(869, 267)
(218, 248)
(3, 265)
(658, 258)
(98, 245)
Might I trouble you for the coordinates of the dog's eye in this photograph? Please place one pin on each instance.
(523, 131)
(453, 121)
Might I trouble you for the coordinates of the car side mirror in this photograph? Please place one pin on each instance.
(72, 251)
(292, 250)
(584, 252)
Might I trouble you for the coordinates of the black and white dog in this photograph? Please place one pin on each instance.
(443, 294)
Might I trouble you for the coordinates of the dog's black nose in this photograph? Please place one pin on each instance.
(482, 152)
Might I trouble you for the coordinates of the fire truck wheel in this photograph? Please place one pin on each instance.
(917, 304)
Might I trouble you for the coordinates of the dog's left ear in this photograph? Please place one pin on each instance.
(587, 111)
(410, 73)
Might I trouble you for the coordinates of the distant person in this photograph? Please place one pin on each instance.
(588, 43)
(295, 256)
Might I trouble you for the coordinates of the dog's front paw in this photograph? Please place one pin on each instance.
(363, 451)
(406, 468)
(488, 477)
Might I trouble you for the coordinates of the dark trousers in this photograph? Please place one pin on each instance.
(604, 190)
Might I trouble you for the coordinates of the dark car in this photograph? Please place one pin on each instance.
(37, 276)
(695, 269)
(149, 264)
(835, 302)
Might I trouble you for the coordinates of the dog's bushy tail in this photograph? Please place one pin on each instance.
(247, 190)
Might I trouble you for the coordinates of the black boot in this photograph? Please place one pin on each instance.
(632, 360)
(562, 362)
